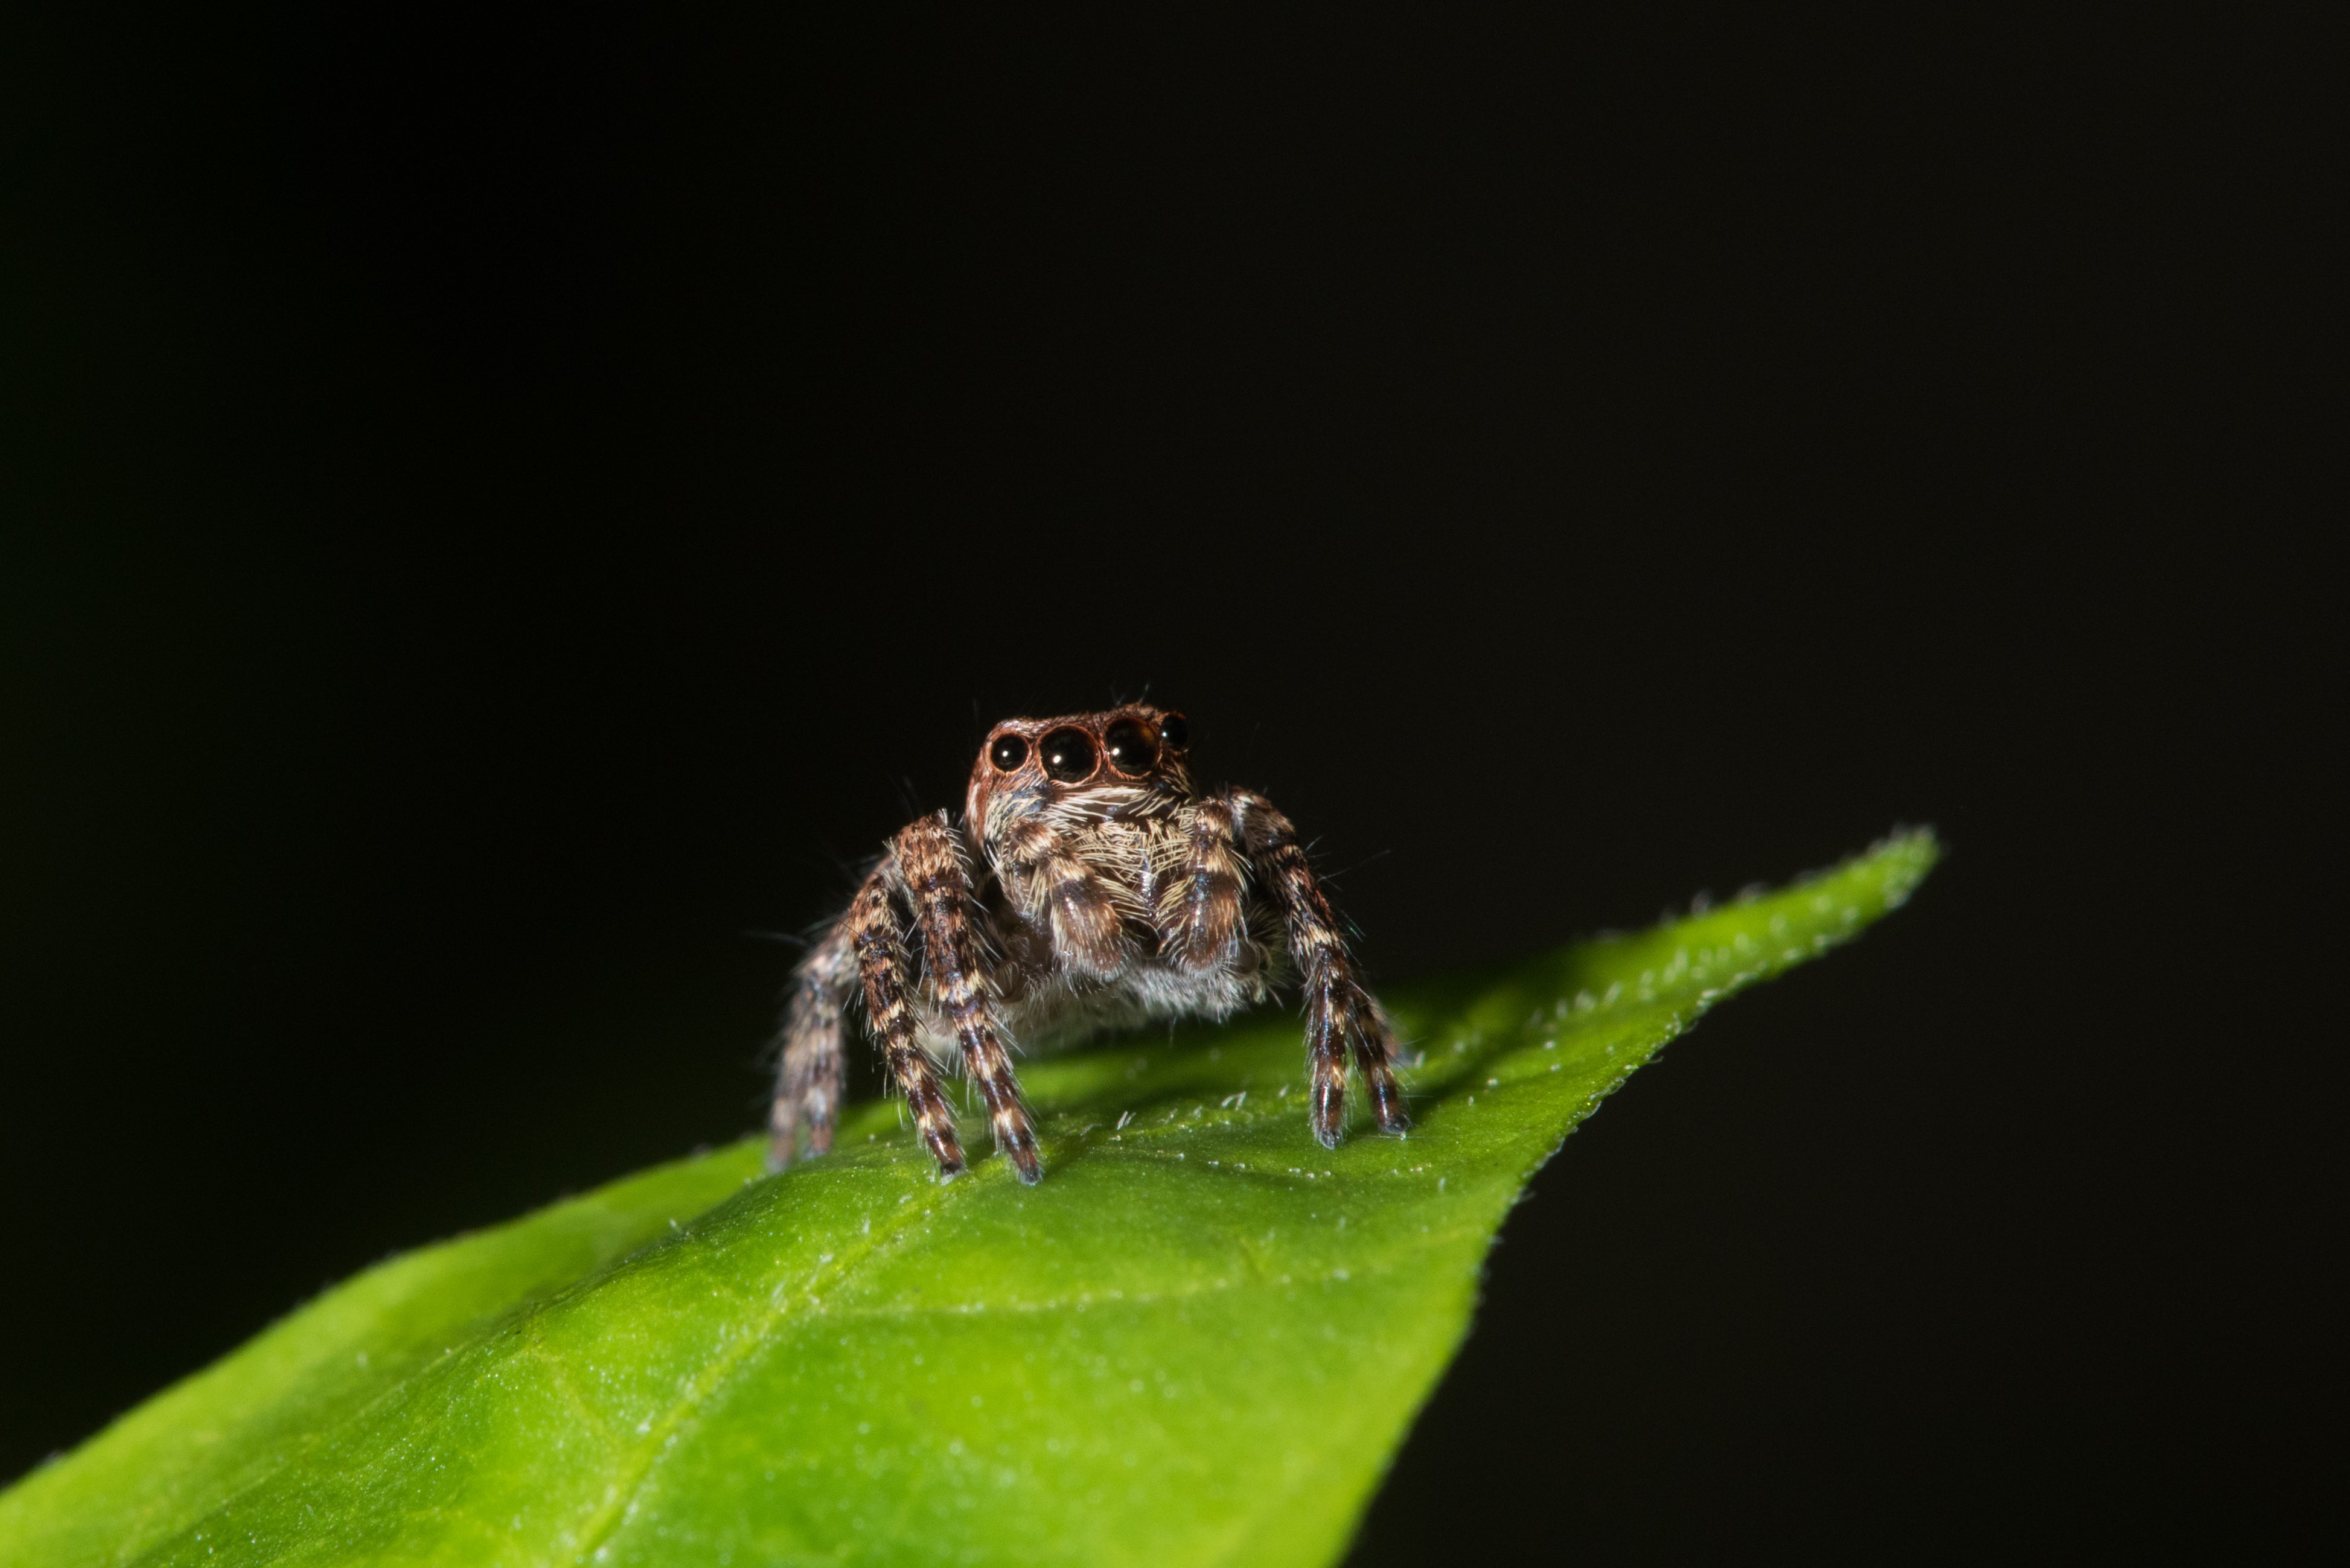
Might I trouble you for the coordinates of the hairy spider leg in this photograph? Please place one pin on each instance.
(880, 942)
(808, 1078)
(929, 856)
(1339, 1013)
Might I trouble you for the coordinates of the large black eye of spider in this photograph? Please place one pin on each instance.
(1174, 730)
(1008, 752)
(1132, 747)
(1069, 756)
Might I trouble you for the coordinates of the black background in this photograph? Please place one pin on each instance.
(509, 507)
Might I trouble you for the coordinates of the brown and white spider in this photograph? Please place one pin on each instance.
(1106, 890)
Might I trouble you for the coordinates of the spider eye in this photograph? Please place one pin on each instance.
(1008, 752)
(1132, 746)
(1069, 755)
(1174, 730)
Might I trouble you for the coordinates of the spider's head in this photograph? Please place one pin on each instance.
(1102, 760)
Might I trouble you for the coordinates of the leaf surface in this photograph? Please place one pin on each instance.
(1200, 1340)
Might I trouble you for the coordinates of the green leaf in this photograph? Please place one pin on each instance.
(1200, 1340)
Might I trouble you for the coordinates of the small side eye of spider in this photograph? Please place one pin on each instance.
(1008, 752)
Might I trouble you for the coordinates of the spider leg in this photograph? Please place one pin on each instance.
(879, 938)
(1339, 1013)
(929, 855)
(808, 1078)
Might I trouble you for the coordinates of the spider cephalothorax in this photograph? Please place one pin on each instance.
(1105, 888)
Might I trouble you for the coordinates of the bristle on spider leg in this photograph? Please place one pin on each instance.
(783, 1132)
(1375, 1051)
(1327, 1095)
(990, 1067)
(932, 854)
(808, 1066)
(881, 963)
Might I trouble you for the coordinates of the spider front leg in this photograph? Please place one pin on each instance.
(1340, 1013)
(808, 1078)
(880, 939)
(929, 856)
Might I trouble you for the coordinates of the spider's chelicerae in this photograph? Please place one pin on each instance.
(1089, 884)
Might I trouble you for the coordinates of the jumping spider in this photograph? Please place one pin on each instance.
(1107, 889)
